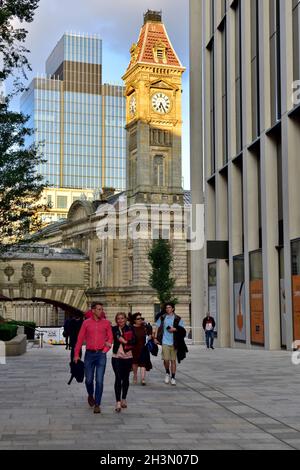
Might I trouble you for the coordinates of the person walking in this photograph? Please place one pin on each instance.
(208, 327)
(170, 333)
(124, 340)
(66, 332)
(141, 354)
(89, 313)
(97, 332)
(74, 328)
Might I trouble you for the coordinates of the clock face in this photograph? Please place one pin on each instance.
(161, 103)
(132, 105)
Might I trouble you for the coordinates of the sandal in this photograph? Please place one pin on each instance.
(123, 404)
(118, 407)
(143, 382)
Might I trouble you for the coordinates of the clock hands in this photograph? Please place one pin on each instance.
(160, 103)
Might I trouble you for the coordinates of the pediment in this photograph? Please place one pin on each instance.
(80, 210)
(162, 85)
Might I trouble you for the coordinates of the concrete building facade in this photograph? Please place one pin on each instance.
(251, 135)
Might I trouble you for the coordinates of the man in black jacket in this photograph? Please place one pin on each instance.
(209, 326)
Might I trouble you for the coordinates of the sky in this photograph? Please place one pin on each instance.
(118, 22)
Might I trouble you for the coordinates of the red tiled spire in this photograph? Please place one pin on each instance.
(154, 46)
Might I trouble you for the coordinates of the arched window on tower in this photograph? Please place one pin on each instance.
(159, 171)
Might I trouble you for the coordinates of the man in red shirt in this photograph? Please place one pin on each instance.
(97, 333)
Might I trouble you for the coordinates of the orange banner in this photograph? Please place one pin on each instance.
(257, 312)
(296, 307)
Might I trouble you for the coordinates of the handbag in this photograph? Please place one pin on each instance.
(152, 347)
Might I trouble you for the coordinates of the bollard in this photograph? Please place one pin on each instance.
(2, 353)
(41, 340)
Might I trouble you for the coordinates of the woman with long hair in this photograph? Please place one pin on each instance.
(124, 340)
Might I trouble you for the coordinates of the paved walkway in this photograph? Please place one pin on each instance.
(224, 399)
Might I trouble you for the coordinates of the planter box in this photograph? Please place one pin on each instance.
(16, 346)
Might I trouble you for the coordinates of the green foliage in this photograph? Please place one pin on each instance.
(20, 186)
(29, 327)
(7, 332)
(12, 50)
(161, 258)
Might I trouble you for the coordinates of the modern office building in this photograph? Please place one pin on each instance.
(79, 121)
(251, 137)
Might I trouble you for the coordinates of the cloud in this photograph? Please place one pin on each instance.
(118, 22)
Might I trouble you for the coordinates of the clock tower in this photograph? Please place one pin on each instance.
(153, 84)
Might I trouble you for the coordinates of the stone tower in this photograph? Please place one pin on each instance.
(153, 83)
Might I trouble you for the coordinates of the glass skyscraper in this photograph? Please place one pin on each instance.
(79, 121)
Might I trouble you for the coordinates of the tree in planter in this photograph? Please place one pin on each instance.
(20, 186)
(161, 258)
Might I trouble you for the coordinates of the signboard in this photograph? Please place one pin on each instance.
(212, 302)
(52, 335)
(257, 312)
(239, 312)
(296, 306)
(282, 313)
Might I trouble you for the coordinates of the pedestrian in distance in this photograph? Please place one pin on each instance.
(74, 328)
(208, 327)
(124, 340)
(141, 354)
(170, 333)
(66, 332)
(97, 333)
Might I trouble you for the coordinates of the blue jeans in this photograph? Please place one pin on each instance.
(209, 337)
(94, 361)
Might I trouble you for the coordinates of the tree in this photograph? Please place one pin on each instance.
(20, 185)
(12, 51)
(161, 258)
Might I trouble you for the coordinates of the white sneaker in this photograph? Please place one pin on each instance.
(167, 379)
(173, 381)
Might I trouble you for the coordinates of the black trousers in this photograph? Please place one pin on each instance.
(122, 368)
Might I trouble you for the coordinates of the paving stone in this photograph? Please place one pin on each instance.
(232, 399)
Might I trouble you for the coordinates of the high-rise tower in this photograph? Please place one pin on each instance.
(80, 122)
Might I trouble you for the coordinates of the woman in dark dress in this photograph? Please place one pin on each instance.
(141, 356)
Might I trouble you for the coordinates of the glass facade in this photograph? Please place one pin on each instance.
(114, 136)
(81, 166)
(79, 122)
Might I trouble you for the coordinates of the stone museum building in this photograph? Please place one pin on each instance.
(116, 232)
